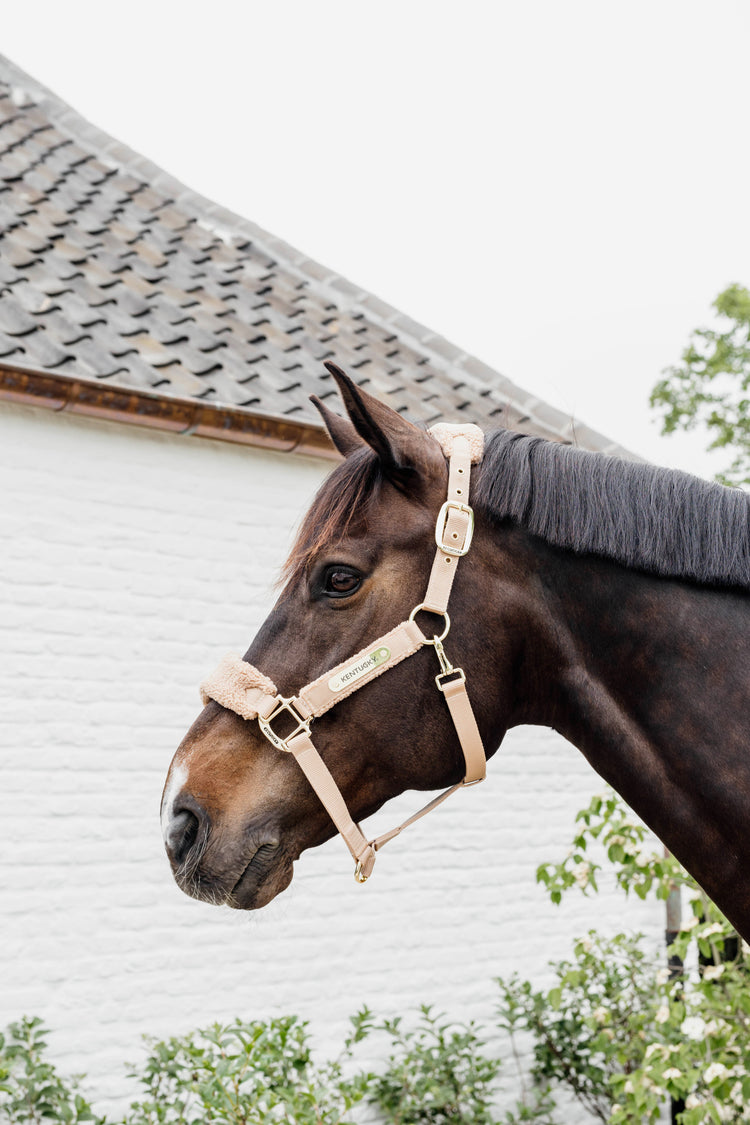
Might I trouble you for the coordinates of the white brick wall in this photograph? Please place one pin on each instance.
(130, 562)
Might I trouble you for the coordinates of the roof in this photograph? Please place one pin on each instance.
(137, 298)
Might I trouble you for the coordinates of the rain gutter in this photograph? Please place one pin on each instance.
(188, 417)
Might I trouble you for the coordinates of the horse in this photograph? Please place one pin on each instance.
(604, 598)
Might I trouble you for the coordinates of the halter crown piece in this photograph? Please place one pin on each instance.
(241, 688)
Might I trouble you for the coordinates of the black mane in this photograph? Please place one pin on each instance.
(652, 519)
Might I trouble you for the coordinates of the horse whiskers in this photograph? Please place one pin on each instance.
(190, 878)
(212, 895)
(187, 870)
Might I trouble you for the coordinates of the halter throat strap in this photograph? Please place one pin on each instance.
(242, 688)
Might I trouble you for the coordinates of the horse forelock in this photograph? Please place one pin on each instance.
(340, 507)
(649, 518)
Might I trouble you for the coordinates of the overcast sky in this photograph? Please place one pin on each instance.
(561, 188)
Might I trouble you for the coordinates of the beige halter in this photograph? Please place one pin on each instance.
(240, 687)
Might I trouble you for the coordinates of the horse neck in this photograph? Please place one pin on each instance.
(651, 681)
(656, 652)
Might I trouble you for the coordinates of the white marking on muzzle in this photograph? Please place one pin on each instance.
(177, 779)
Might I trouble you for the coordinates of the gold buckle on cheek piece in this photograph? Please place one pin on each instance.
(448, 507)
(300, 724)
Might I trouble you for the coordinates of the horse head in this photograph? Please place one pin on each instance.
(236, 811)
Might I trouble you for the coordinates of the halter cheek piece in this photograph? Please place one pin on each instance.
(240, 687)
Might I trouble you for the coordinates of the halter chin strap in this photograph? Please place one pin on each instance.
(240, 687)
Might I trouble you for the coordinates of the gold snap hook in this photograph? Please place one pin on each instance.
(445, 663)
(447, 668)
(359, 874)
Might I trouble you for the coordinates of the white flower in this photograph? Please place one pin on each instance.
(693, 1027)
(715, 1070)
(662, 976)
(662, 1014)
(581, 874)
(714, 928)
(672, 1072)
(615, 840)
(653, 1048)
(585, 944)
(691, 923)
(629, 1088)
(601, 1015)
(693, 1101)
(643, 859)
(713, 972)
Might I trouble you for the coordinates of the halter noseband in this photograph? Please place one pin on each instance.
(241, 688)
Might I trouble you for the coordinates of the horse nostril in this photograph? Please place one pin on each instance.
(184, 827)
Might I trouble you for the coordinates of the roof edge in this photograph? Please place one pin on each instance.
(225, 223)
(182, 416)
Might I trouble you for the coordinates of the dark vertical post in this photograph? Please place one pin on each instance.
(674, 924)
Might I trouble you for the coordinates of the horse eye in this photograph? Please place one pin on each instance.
(340, 582)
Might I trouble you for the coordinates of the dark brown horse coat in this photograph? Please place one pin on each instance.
(605, 599)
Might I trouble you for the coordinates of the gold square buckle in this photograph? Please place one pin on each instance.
(458, 673)
(301, 724)
(442, 521)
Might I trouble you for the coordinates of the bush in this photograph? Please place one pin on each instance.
(437, 1073)
(593, 1025)
(621, 1032)
(31, 1091)
(618, 1030)
(243, 1074)
(263, 1072)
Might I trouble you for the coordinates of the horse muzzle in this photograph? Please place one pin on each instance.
(243, 869)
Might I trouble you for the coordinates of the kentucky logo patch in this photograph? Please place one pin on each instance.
(356, 671)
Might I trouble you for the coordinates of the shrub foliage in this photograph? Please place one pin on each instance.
(619, 1031)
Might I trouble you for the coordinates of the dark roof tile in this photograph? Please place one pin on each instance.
(9, 219)
(95, 359)
(39, 275)
(23, 197)
(32, 299)
(39, 349)
(14, 319)
(130, 302)
(10, 345)
(15, 256)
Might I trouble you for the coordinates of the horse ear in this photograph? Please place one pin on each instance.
(340, 430)
(398, 443)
